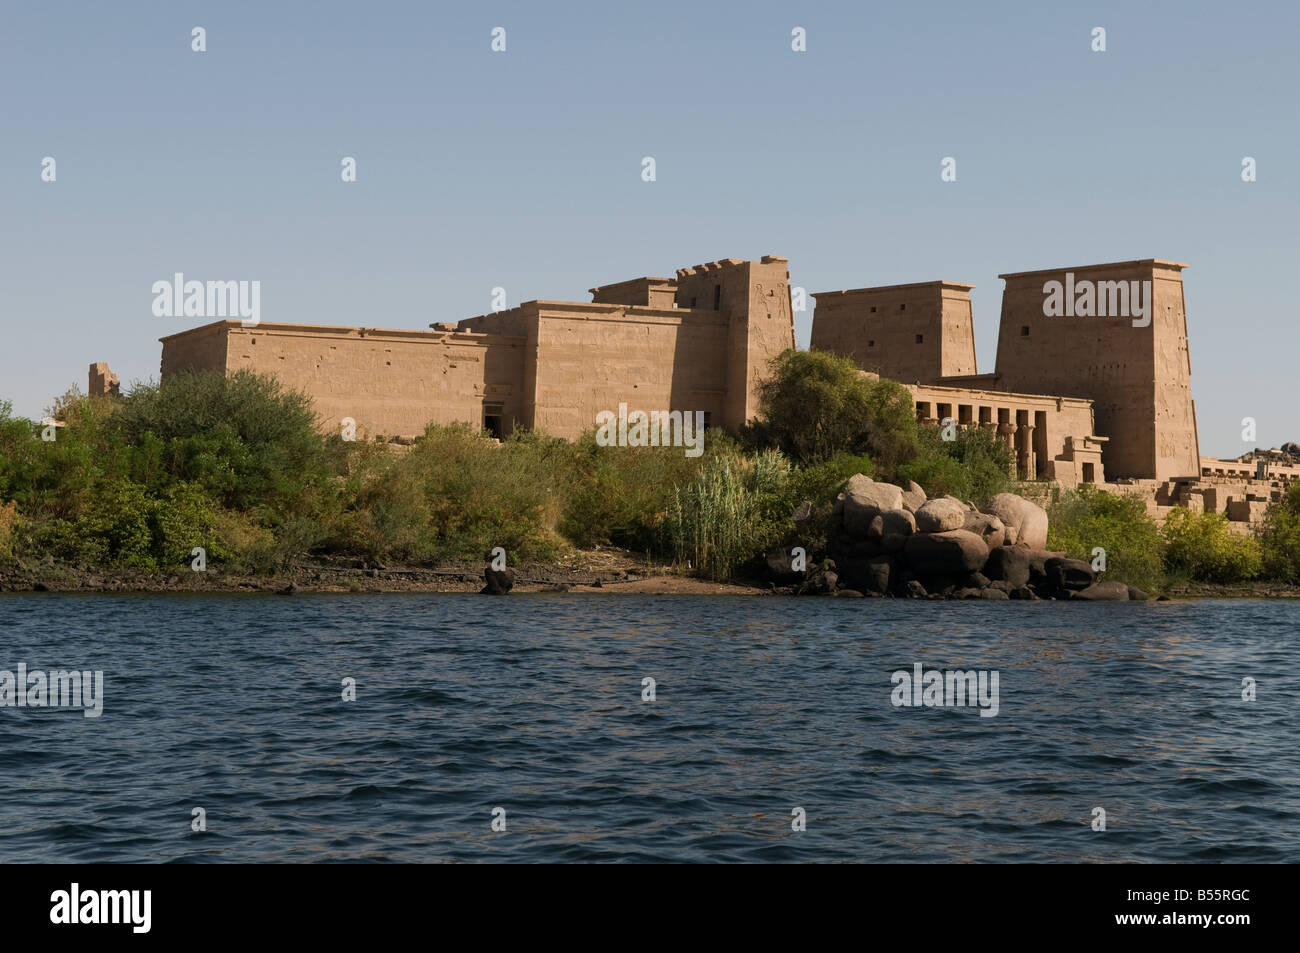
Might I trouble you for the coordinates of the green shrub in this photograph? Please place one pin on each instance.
(822, 481)
(815, 405)
(1203, 547)
(459, 494)
(1087, 518)
(620, 495)
(732, 511)
(1280, 538)
(242, 438)
(975, 466)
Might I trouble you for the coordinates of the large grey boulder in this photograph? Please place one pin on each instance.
(913, 496)
(1009, 563)
(1070, 575)
(900, 521)
(871, 576)
(864, 499)
(1104, 592)
(988, 527)
(780, 567)
(941, 515)
(1027, 519)
(953, 551)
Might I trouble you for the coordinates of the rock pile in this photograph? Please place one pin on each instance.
(887, 540)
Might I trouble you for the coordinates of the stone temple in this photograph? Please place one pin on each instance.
(1099, 396)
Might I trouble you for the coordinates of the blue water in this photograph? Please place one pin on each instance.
(533, 703)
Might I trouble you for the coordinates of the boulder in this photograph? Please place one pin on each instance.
(913, 496)
(991, 593)
(977, 580)
(900, 522)
(880, 574)
(940, 586)
(1010, 564)
(1070, 575)
(864, 549)
(1038, 565)
(1028, 519)
(821, 581)
(991, 529)
(779, 568)
(1023, 592)
(941, 515)
(1104, 592)
(876, 529)
(864, 500)
(914, 590)
(892, 543)
(498, 582)
(950, 552)
(1137, 595)
(846, 594)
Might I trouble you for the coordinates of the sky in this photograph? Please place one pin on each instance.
(522, 169)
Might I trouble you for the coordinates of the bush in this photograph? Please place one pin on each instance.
(822, 482)
(1280, 539)
(816, 405)
(620, 495)
(242, 438)
(731, 513)
(1086, 518)
(975, 466)
(459, 494)
(8, 518)
(1202, 547)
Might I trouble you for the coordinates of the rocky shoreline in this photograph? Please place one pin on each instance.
(468, 580)
(888, 540)
(593, 571)
(882, 540)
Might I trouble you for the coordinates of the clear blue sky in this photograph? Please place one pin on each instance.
(522, 169)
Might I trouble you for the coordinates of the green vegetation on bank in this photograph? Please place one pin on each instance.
(236, 465)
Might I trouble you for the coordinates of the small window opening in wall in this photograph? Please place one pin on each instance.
(492, 419)
(717, 297)
(708, 419)
(902, 307)
(1024, 330)
(871, 344)
(920, 339)
(873, 309)
(692, 302)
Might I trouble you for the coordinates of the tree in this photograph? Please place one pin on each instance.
(815, 405)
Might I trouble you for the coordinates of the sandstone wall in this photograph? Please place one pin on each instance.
(199, 349)
(1050, 438)
(1139, 378)
(916, 333)
(390, 382)
(590, 358)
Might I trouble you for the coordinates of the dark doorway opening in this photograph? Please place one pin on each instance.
(493, 417)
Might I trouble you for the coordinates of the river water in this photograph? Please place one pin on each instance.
(766, 711)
